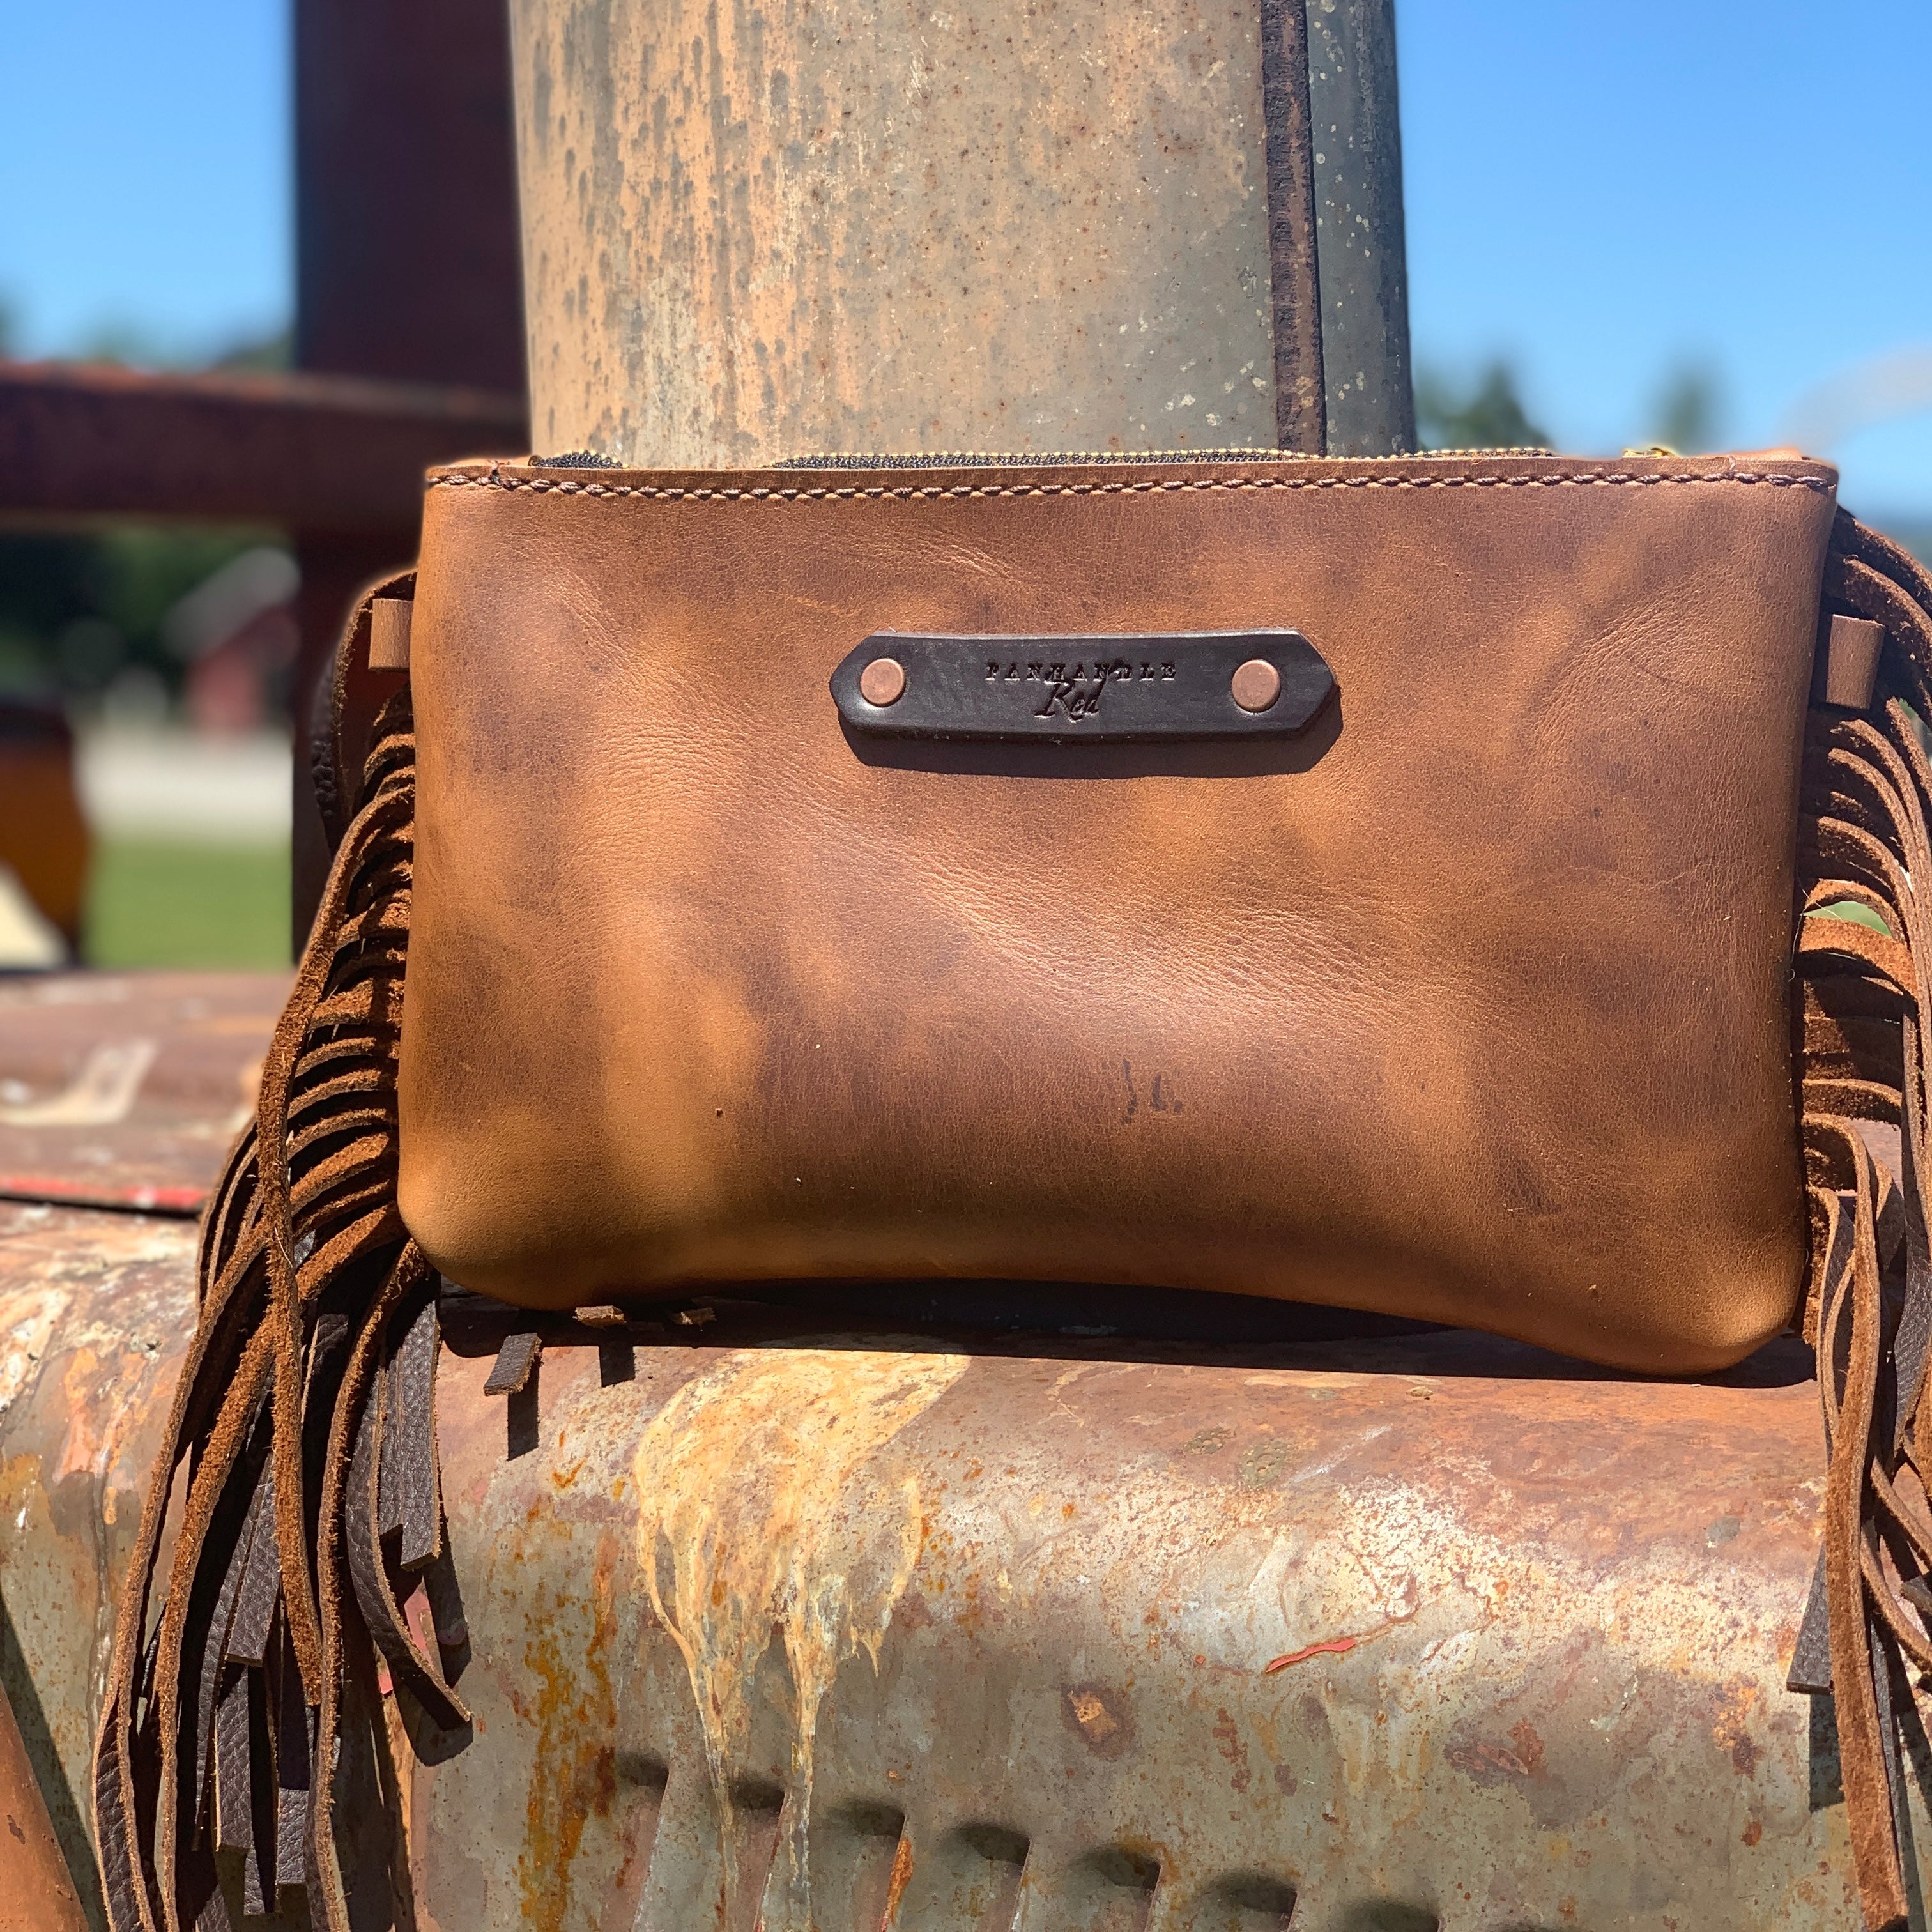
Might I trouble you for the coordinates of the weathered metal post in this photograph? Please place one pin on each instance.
(764, 232)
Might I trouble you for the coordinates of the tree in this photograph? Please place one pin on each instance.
(1489, 416)
(1688, 410)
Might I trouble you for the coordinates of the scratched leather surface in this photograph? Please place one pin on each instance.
(1468, 1005)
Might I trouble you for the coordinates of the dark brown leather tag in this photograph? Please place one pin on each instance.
(1110, 690)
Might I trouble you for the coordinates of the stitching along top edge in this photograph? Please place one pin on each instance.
(493, 478)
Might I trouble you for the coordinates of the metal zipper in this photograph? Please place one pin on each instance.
(950, 459)
(1019, 459)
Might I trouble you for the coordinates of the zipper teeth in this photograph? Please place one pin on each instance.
(1021, 459)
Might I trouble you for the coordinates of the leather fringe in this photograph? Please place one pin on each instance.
(300, 1471)
(1862, 1000)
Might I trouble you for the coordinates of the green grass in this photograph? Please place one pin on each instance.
(181, 904)
(1858, 915)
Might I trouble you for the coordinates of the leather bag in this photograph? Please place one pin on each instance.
(1476, 889)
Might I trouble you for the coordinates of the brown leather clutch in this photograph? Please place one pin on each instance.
(1478, 888)
(1460, 991)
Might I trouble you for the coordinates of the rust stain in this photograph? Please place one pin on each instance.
(1227, 1740)
(770, 1491)
(1528, 1747)
(1401, 1609)
(575, 1767)
(1100, 1717)
(1481, 1759)
(896, 1884)
(1728, 1732)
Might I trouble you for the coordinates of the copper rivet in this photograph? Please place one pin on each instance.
(1255, 685)
(882, 681)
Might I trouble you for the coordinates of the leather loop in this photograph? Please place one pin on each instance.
(1847, 665)
(516, 1362)
(389, 633)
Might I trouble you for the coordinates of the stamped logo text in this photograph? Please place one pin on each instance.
(1075, 691)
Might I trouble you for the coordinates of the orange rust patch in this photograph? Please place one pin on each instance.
(1099, 1716)
(1728, 1732)
(1228, 1741)
(1528, 1747)
(1482, 1760)
(574, 1773)
(901, 1876)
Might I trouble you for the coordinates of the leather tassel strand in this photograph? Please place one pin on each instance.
(316, 1335)
(1864, 997)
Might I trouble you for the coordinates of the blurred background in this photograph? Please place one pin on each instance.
(1701, 226)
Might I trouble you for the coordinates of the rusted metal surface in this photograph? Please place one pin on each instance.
(1416, 1631)
(95, 1312)
(770, 231)
(125, 1089)
(327, 454)
(1048, 1631)
(38, 1896)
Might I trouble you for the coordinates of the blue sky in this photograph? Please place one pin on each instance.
(145, 180)
(1603, 193)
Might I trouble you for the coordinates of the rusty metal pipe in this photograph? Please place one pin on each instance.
(762, 232)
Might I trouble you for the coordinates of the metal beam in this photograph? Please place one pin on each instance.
(408, 262)
(1361, 249)
(1300, 410)
(329, 455)
(408, 267)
